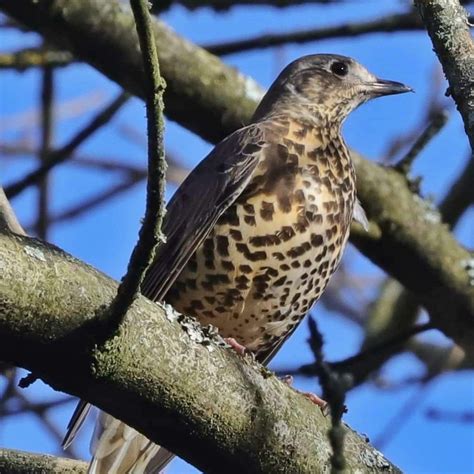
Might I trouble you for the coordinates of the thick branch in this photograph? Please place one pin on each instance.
(203, 402)
(20, 462)
(448, 26)
(405, 238)
(416, 248)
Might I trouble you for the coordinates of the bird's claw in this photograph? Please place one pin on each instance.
(288, 380)
(239, 348)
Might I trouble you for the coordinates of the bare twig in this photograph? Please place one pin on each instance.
(394, 23)
(438, 121)
(35, 57)
(47, 110)
(436, 414)
(96, 200)
(150, 233)
(59, 156)
(399, 419)
(223, 5)
(334, 387)
(39, 407)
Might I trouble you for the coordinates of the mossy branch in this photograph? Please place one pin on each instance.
(203, 402)
(448, 26)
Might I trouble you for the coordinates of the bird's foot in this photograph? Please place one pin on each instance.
(288, 380)
(239, 348)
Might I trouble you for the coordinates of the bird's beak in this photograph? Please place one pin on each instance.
(383, 87)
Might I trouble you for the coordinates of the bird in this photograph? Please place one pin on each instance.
(256, 230)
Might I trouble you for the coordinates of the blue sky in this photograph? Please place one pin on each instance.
(105, 237)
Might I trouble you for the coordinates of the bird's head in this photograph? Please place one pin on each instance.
(324, 86)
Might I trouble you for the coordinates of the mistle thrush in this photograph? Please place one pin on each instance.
(258, 228)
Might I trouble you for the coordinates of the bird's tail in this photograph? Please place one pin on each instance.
(118, 449)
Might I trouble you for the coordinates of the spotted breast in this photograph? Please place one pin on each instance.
(271, 254)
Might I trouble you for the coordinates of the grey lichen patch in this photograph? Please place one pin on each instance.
(208, 336)
(170, 313)
(468, 265)
(430, 211)
(35, 253)
(375, 461)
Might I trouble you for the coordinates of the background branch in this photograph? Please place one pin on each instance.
(386, 24)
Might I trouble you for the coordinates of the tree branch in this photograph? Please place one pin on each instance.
(414, 246)
(203, 402)
(35, 57)
(386, 24)
(448, 26)
(21, 462)
(223, 5)
(59, 156)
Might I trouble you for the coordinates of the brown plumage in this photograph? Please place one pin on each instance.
(258, 228)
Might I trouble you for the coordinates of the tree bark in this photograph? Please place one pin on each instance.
(20, 462)
(447, 24)
(162, 374)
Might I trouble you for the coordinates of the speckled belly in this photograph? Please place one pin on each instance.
(261, 269)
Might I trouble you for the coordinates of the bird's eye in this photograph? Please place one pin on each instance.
(339, 68)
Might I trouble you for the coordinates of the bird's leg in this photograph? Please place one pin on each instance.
(239, 348)
(288, 380)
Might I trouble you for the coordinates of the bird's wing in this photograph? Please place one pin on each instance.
(359, 215)
(196, 206)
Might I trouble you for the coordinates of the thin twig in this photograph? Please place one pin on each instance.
(334, 388)
(224, 5)
(401, 416)
(59, 156)
(37, 407)
(361, 364)
(394, 23)
(35, 57)
(438, 121)
(150, 233)
(436, 414)
(47, 110)
(96, 200)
